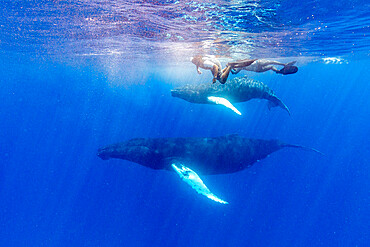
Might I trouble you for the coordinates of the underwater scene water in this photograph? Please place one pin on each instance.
(77, 76)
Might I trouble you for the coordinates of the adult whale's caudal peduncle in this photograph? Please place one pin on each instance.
(237, 90)
(209, 155)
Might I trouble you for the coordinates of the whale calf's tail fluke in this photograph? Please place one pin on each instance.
(301, 147)
(275, 101)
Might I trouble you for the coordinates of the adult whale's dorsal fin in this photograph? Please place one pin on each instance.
(191, 178)
(224, 102)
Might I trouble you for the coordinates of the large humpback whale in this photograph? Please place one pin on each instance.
(237, 90)
(212, 155)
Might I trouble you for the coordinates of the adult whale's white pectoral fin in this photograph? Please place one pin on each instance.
(224, 102)
(191, 178)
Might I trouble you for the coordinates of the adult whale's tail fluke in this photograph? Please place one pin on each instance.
(301, 147)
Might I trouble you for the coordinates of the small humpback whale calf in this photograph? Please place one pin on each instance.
(206, 156)
(237, 90)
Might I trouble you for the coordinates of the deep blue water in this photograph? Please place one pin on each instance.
(64, 96)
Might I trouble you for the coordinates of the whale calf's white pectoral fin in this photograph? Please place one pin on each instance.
(191, 178)
(224, 102)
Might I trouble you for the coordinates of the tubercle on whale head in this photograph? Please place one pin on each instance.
(103, 153)
(181, 93)
(112, 151)
(175, 93)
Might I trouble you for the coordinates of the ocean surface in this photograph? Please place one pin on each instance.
(79, 75)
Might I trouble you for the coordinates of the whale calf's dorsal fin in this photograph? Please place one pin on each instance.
(224, 102)
(191, 178)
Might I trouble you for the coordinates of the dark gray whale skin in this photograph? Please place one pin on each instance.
(239, 89)
(212, 155)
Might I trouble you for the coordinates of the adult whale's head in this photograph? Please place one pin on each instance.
(138, 150)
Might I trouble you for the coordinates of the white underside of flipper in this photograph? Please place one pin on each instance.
(191, 178)
(224, 102)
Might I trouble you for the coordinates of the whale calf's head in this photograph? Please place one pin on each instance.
(184, 93)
